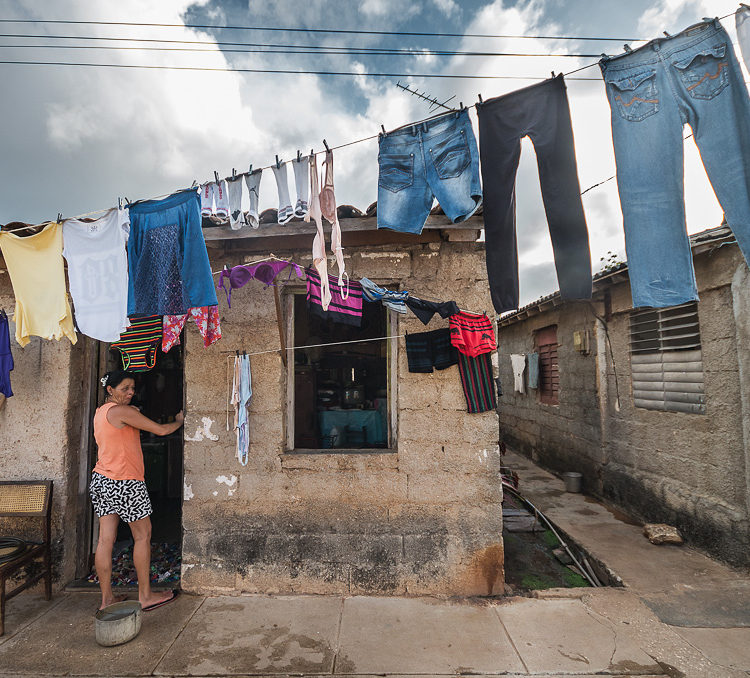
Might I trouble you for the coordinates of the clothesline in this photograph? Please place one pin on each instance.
(295, 348)
(273, 257)
(312, 152)
(344, 145)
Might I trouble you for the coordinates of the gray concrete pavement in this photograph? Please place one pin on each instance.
(679, 614)
(603, 632)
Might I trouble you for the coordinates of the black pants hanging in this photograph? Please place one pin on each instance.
(540, 112)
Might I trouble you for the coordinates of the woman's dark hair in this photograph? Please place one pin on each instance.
(115, 377)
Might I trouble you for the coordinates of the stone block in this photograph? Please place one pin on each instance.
(361, 549)
(378, 579)
(421, 391)
(291, 578)
(441, 488)
(220, 485)
(300, 486)
(381, 264)
(425, 548)
(202, 578)
(426, 262)
(452, 457)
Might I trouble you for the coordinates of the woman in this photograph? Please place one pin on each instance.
(118, 490)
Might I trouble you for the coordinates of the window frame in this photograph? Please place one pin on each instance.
(392, 329)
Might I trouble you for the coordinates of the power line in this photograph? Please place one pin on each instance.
(338, 31)
(414, 50)
(282, 71)
(303, 49)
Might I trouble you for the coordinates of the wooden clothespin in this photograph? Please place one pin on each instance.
(383, 128)
(216, 176)
(325, 143)
(119, 203)
(299, 155)
(312, 152)
(461, 105)
(59, 217)
(194, 184)
(553, 74)
(250, 169)
(278, 162)
(234, 173)
(480, 98)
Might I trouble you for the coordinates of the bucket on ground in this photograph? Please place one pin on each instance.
(572, 481)
(118, 623)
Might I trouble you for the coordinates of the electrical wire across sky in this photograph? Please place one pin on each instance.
(277, 48)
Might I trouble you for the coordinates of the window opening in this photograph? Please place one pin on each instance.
(340, 393)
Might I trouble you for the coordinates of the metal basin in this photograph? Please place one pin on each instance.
(118, 623)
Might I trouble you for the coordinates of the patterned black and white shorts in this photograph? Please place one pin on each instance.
(127, 498)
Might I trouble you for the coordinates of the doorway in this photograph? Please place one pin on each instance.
(159, 395)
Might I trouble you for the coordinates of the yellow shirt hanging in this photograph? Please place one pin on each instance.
(35, 265)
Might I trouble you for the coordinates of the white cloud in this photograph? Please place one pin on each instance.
(99, 133)
(448, 7)
(390, 8)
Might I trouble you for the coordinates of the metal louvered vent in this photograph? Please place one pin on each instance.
(666, 359)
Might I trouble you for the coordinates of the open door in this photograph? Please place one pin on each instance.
(159, 395)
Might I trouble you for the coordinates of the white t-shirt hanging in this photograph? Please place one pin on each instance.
(98, 273)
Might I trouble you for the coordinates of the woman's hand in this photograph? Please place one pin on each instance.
(180, 417)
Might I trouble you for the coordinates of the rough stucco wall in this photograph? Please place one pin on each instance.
(38, 434)
(686, 469)
(563, 437)
(426, 519)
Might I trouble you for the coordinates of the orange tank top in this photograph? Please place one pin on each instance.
(120, 455)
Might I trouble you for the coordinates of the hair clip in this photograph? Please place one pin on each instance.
(104, 380)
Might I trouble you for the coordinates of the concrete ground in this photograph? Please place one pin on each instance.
(679, 614)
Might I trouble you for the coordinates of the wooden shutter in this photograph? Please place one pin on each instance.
(549, 376)
(666, 359)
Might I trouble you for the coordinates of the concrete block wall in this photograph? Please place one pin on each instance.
(689, 470)
(40, 432)
(425, 519)
(563, 437)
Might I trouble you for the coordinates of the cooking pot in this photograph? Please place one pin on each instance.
(353, 395)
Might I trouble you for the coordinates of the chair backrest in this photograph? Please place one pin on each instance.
(20, 498)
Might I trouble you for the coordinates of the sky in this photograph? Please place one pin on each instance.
(75, 139)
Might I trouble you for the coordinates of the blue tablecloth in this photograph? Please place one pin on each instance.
(372, 421)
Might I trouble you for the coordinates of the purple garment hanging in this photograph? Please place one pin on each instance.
(265, 271)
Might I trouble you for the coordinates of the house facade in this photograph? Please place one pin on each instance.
(391, 487)
(651, 406)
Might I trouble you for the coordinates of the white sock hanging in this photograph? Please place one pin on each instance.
(252, 181)
(286, 212)
(234, 189)
(302, 182)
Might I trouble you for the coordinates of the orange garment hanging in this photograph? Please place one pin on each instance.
(35, 266)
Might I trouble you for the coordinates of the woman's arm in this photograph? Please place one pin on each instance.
(121, 415)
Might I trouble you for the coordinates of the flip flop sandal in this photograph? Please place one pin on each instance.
(175, 593)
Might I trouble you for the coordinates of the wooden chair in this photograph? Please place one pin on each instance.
(26, 499)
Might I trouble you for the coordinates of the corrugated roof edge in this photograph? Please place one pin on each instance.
(698, 241)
